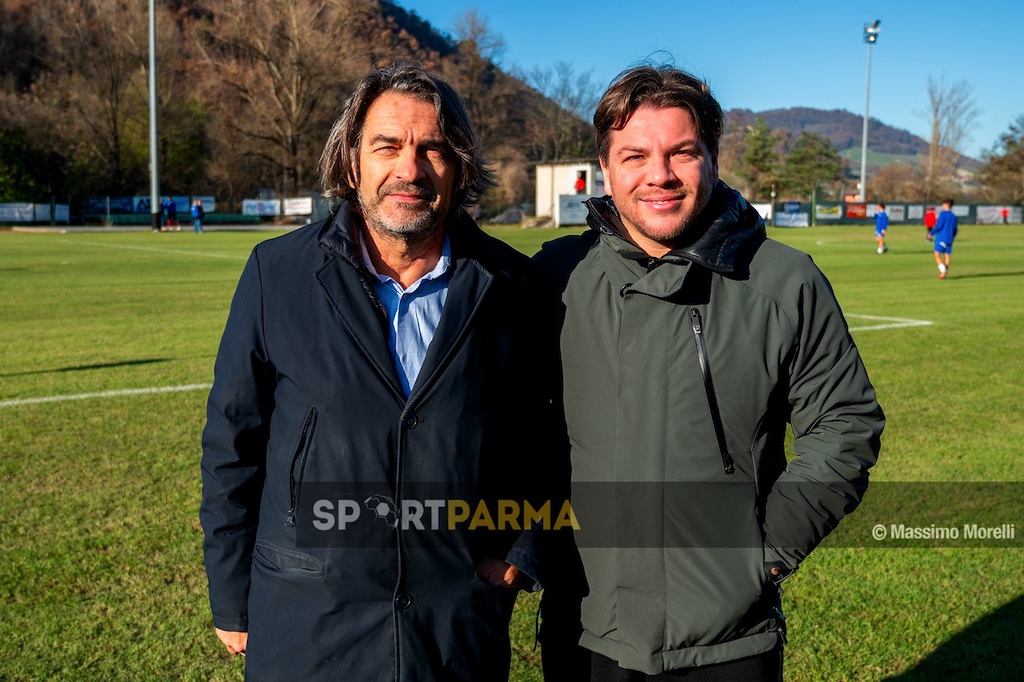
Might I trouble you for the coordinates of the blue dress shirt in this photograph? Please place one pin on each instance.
(413, 313)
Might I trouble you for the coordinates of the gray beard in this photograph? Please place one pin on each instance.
(418, 229)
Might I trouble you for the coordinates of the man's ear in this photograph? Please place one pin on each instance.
(607, 178)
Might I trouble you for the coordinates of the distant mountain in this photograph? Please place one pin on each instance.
(841, 127)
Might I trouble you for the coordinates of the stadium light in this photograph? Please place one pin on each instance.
(870, 36)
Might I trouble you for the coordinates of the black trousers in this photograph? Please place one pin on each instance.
(766, 667)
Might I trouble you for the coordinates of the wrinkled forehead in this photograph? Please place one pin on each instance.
(400, 111)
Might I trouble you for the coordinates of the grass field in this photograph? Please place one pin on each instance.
(101, 572)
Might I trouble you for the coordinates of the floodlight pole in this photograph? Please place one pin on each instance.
(154, 166)
(870, 36)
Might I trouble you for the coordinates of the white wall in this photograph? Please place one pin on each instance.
(556, 179)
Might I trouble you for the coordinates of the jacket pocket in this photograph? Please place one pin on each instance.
(287, 561)
(298, 463)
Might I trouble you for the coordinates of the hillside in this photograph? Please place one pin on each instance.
(841, 127)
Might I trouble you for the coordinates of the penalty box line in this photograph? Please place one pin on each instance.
(892, 322)
(104, 394)
(153, 249)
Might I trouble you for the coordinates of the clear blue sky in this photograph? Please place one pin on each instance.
(759, 55)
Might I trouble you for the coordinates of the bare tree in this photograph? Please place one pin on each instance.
(473, 70)
(83, 101)
(897, 182)
(98, 84)
(280, 68)
(495, 104)
(953, 117)
(184, 147)
(561, 128)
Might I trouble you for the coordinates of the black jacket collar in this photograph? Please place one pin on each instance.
(465, 236)
(474, 262)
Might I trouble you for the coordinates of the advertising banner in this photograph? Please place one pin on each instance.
(209, 204)
(792, 220)
(261, 207)
(828, 213)
(993, 215)
(298, 206)
(571, 210)
(16, 213)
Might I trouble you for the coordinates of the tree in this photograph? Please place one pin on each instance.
(83, 101)
(812, 163)
(99, 87)
(953, 116)
(473, 71)
(247, 93)
(730, 150)
(897, 182)
(18, 182)
(19, 55)
(561, 128)
(760, 162)
(1002, 171)
(184, 146)
(496, 106)
(281, 68)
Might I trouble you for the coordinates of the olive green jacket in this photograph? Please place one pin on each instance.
(680, 375)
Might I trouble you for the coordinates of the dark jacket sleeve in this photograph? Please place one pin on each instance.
(548, 479)
(837, 424)
(234, 452)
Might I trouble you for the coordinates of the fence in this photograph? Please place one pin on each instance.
(21, 213)
(803, 214)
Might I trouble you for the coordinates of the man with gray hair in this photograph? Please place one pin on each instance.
(689, 341)
(381, 373)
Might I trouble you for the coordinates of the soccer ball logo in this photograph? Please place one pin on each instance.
(383, 507)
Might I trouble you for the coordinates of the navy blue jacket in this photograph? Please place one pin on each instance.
(306, 407)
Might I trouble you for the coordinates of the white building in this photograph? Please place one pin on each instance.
(563, 186)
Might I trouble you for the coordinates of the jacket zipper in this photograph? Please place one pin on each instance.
(289, 519)
(709, 390)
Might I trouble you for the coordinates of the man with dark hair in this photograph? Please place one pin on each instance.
(943, 235)
(376, 369)
(688, 341)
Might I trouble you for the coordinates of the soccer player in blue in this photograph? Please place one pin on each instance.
(943, 234)
(881, 225)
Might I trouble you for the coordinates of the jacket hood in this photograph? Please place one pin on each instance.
(721, 239)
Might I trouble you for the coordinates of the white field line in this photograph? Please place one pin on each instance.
(156, 250)
(894, 322)
(104, 394)
(844, 244)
